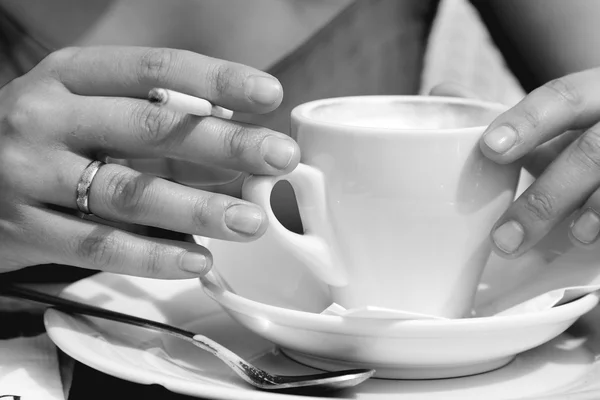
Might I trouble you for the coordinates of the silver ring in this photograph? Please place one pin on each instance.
(84, 185)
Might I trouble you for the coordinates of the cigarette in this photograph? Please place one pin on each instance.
(187, 104)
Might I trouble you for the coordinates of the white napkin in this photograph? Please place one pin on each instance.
(374, 312)
(29, 369)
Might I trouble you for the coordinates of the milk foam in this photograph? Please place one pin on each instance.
(404, 115)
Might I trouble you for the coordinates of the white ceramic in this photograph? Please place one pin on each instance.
(269, 293)
(563, 368)
(396, 199)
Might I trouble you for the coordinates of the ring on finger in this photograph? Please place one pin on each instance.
(84, 184)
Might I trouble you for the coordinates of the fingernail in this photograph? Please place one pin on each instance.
(500, 139)
(509, 236)
(277, 152)
(587, 227)
(245, 219)
(263, 90)
(195, 263)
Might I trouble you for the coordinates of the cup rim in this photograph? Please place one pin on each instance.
(301, 113)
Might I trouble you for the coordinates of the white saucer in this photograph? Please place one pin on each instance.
(418, 349)
(566, 365)
(269, 292)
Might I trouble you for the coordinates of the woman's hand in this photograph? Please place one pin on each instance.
(84, 104)
(555, 132)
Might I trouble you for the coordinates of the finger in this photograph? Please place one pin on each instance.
(563, 104)
(121, 194)
(451, 89)
(210, 178)
(539, 159)
(72, 241)
(559, 191)
(131, 128)
(585, 227)
(133, 71)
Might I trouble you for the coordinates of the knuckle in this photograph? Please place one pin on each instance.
(202, 211)
(236, 141)
(220, 78)
(128, 193)
(531, 118)
(60, 57)
(100, 248)
(588, 147)
(566, 91)
(152, 262)
(27, 113)
(157, 64)
(155, 125)
(541, 206)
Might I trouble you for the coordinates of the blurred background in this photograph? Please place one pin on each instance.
(461, 50)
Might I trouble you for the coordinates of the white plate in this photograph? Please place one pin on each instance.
(566, 365)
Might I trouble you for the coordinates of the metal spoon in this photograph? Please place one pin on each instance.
(256, 377)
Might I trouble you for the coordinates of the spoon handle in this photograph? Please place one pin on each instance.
(70, 306)
(245, 370)
(248, 372)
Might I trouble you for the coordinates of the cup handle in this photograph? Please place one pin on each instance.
(315, 247)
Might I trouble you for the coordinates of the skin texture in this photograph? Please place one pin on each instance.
(551, 46)
(81, 104)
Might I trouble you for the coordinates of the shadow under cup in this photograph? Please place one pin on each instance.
(396, 199)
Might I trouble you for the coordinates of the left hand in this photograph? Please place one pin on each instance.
(555, 131)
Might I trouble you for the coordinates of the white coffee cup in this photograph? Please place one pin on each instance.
(396, 199)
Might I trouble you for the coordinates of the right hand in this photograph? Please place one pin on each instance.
(82, 104)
